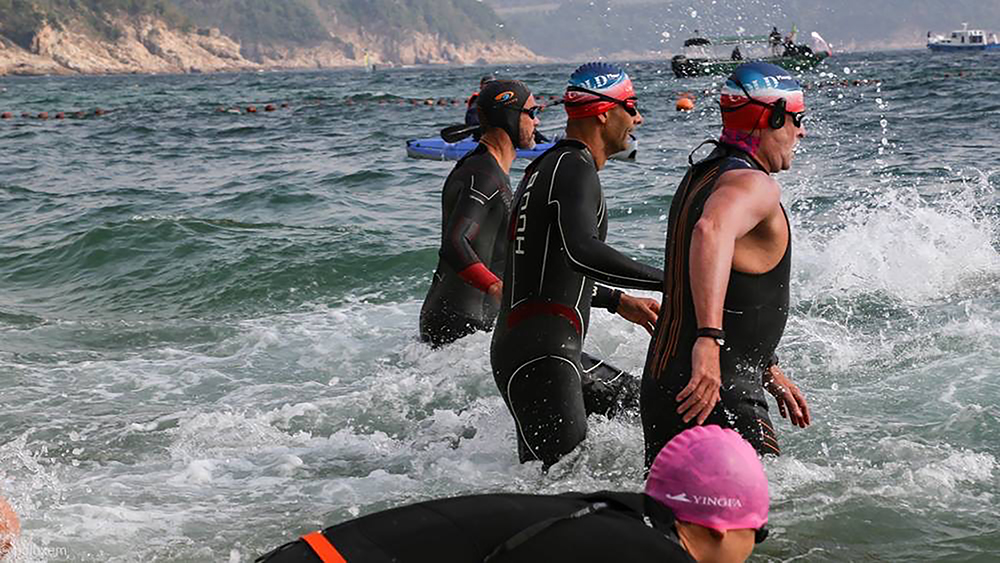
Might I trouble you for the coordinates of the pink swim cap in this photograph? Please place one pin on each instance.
(712, 477)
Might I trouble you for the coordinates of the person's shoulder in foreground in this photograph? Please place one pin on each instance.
(706, 500)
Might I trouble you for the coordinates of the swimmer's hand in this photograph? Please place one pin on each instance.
(791, 402)
(702, 392)
(639, 310)
(496, 291)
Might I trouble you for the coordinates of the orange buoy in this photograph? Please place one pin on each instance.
(25, 115)
(10, 528)
(43, 115)
(79, 115)
(60, 115)
(685, 103)
(251, 109)
(269, 107)
(284, 104)
(6, 115)
(99, 111)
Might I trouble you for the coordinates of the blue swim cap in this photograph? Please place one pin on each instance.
(605, 78)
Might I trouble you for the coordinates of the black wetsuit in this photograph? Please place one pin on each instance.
(754, 316)
(505, 528)
(475, 206)
(556, 252)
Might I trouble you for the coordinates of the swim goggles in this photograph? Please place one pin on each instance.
(630, 105)
(778, 107)
(532, 112)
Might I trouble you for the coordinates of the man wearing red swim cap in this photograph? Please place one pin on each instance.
(728, 269)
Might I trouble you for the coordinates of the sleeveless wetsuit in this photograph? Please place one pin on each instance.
(502, 528)
(475, 208)
(754, 316)
(556, 252)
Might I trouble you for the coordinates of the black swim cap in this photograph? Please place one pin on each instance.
(501, 102)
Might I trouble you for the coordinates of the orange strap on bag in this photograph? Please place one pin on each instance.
(323, 548)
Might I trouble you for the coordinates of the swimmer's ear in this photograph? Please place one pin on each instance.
(602, 118)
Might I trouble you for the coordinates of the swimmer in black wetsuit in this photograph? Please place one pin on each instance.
(556, 252)
(728, 263)
(465, 293)
(656, 526)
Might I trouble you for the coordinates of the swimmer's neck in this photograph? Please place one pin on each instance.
(499, 145)
(584, 130)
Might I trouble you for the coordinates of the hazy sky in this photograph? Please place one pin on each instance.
(558, 27)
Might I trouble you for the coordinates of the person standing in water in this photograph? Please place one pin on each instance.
(475, 209)
(728, 267)
(706, 499)
(555, 254)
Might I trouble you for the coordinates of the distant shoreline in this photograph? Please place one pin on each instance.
(48, 70)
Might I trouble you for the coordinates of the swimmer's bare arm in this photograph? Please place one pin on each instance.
(742, 200)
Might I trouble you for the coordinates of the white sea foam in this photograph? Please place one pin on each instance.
(904, 246)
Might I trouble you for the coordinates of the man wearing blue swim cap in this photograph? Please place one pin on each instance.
(557, 261)
(728, 269)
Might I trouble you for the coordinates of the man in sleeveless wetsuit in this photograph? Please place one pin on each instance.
(728, 264)
(694, 508)
(556, 252)
(465, 293)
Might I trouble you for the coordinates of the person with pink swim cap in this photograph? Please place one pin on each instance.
(705, 501)
(713, 481)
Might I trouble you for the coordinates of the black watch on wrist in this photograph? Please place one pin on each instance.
(716, 334)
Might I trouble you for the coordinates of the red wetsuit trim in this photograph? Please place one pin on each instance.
(480, 276)
(530, 309)
(323, 548)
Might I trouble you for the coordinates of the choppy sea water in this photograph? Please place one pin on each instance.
(208, 321)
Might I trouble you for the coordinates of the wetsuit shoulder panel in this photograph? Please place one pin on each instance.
(482, 192)
(580, 212)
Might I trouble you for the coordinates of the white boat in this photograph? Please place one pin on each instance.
(964, 40)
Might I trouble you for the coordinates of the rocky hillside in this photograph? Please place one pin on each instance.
(115, 36)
